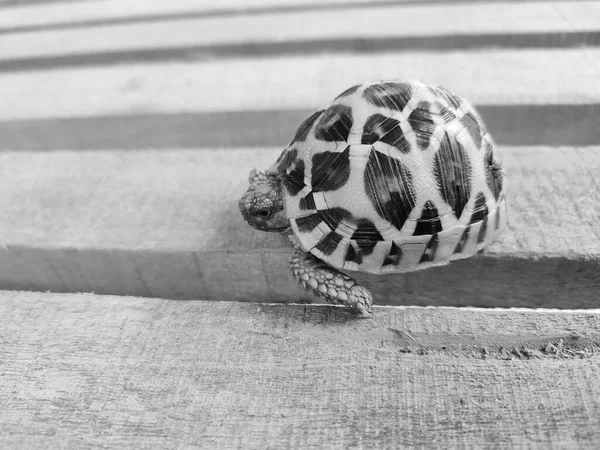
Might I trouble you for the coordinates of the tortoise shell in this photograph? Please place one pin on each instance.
(393, 177)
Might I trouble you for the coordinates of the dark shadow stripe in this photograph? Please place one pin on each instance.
(551, 125)
(180, 274)
(230, 12)
(18, 3)
(270, 49)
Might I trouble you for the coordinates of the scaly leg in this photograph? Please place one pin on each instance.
(325, 281)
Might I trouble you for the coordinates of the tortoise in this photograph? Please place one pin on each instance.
(392, 177)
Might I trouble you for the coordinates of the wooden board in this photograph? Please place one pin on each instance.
(81, 371)
(43, 14)
(166, 224)
(471, 20)
(98, 194)
(510, 78)
(139, 214)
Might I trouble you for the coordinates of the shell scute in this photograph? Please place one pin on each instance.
(286, 160)
(422, 122)
(329, 244)
(307, 202)
(450, 98)
(380, 128)
(452, 172)
(430, 222)
(350, 90)
(390, 95)
(480, 210)
(366, 236)
(335, 124)
(333, 216)
(307, 224)
(394, 256)
(411, 255)
(330, 170)
(493, 172)
(305, 127)
(430, 250)
(388, 185)
(464, 238)
(473, 128)
(445, 113)
(293, 180)
(352, 256)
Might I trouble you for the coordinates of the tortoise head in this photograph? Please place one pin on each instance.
(262, 205)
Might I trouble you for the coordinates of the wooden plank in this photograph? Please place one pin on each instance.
(165, 223)
(50, 14)
(38, 16)
(81, 371)
(468, 19)
(182, 199)
(511, 78)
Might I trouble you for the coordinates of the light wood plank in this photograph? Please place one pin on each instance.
(166, 223)
(81, 371)
(49, 14)
(185, 199)
(484, 78)
(417, 20)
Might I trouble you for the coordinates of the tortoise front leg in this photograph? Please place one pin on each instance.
(325, 281)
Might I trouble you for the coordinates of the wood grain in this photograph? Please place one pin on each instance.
(166, 224)
(512, 79)
(468, 19)
(141, 215)
(84, 371)
(35, 14)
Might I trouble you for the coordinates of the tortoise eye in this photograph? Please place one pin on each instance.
(264, 213)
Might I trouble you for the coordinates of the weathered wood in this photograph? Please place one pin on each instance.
(48, 13)
(39, 14)
(166, 224)
(467, 19)
(82, 371)
(511, 78)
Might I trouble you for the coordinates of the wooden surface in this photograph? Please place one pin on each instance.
(128, 140)
(126, 134)
(44, 14)
(512, 79)
(83, 371)
(166, 224)
(50, 13)
(304, 26)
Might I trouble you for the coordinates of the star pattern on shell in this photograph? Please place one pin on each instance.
(393, 177)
